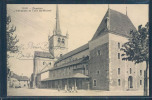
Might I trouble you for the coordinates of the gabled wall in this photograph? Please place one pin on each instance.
(99, 63)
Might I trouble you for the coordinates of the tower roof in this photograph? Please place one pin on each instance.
(43, 54)
(57, 29)
(118, 24)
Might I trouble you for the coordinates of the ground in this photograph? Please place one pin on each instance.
(51, 92)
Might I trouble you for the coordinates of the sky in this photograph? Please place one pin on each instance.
(80, 21)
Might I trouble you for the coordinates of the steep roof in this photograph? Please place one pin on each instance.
(15, 76)
(57, 29)
(73, 52)
(43, 54)
(118, 24)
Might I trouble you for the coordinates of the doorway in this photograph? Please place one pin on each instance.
(130, 82)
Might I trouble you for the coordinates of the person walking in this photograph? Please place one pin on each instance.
(66, 90)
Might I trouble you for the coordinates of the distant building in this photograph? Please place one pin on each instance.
(23, 81)
(18, 81)
(96, 65)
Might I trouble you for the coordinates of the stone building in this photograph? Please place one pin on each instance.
(96, 65)
(17, 81)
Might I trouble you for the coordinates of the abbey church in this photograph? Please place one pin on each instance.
(97, 65)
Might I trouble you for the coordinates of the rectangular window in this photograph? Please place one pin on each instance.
(98, 72)
(94, 82)
(130, 71)
(118, 45)
(140, 72)
(118, 55)
(119, 82)
(140, 82)
(118, 71)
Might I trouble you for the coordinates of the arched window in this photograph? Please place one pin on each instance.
(94, 82)
(59, 39)
(62, 40)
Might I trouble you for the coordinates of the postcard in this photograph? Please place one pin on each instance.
(77, 50)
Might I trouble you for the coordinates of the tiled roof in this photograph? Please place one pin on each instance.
(73, 52)
(15, 76)
(43, 54)
(119, 24)
(78, 61)
(77, 75)
(19, 78)
(23, 78)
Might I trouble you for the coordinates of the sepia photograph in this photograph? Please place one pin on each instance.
(77, 49)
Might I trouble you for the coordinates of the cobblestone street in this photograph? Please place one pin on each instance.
(50, 92)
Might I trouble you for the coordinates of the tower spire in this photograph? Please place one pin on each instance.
(108, 10)
(57, 28)
(126, 10)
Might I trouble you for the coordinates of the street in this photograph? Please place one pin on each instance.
(51, 92)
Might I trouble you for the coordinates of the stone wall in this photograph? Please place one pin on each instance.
(56, 47)
(127, 68)
(99, 68)
(42, 64)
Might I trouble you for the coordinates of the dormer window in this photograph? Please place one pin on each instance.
(59, 39)
(62, 40)
(107, 22)
(98, 52)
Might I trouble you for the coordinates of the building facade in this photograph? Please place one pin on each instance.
(97, 65)
(16, 81)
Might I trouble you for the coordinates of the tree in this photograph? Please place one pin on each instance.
(11, 37)
(137, 49)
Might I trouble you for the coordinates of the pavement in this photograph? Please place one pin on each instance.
(51, 92)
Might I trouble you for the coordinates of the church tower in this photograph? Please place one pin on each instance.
(58, 43)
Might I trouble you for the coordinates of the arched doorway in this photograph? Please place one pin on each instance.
(130, 82)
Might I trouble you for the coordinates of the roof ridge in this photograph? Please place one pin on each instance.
(78, 49)
(117, 22)
(118, 12)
